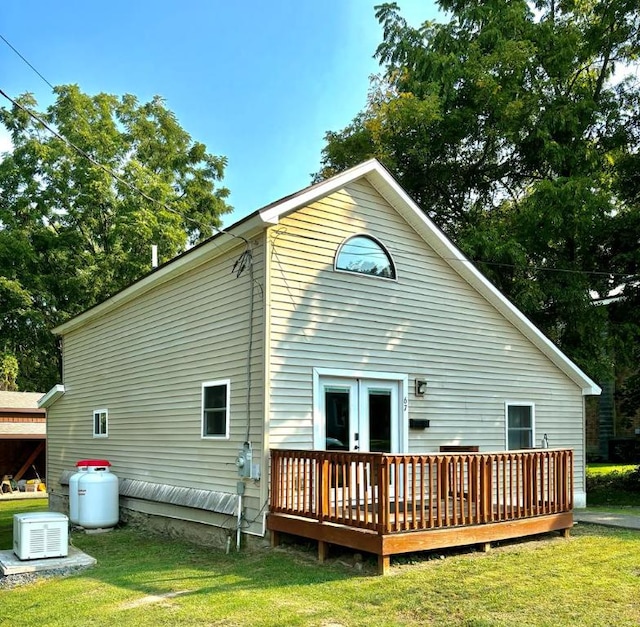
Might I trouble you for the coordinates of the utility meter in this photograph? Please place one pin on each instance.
(244, 460)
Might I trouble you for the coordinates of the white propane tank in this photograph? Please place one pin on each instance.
(98, 496)
(81, 466)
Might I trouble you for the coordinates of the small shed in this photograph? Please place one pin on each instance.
(23, 435)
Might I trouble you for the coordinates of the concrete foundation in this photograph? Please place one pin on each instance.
(11, 565)
(198, 526)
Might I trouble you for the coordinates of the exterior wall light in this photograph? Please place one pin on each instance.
(421, 387)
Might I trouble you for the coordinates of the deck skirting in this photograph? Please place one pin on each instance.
(386, 545)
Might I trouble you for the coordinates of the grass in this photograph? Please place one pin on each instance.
(613, 485)
(8, 509)
(590, 579)
(607, 468)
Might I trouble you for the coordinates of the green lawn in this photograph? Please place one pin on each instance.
(606, 468)
(612, 486)
(591, 579)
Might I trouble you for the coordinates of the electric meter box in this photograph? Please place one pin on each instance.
(38, 535)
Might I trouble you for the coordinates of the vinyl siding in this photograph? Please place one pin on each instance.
(146, 362)
(428, 324)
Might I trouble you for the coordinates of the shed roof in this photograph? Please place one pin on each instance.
(19, 400)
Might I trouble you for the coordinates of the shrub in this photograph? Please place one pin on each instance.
(618, 487)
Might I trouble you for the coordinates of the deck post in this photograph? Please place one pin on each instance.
(384, 563)
(323, 551)
(275, 539)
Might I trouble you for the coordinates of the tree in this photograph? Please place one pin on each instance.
(8, 372)
(71, 233)
(513, 131)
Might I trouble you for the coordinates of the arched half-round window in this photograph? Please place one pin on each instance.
(365, 255)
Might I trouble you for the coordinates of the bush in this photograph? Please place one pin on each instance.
(627, 480)
(619, 487)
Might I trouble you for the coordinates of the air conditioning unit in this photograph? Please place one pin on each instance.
(37, 535)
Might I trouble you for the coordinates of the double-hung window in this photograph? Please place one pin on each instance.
(100, 423)
(215, 409)
(520, 418)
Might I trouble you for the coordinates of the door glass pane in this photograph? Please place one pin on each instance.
(380, 421)
(337, 416)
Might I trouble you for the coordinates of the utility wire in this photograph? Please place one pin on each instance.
(73, 146)
(245, 259)
(139, 191)
(631, 277)
(27, 62)
(87, 156)
(624, 275)
(110, 172)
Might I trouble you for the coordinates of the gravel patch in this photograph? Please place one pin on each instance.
(7, 582)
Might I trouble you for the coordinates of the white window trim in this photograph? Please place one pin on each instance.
(206, 384)
(98, 412)
(508, 404)
(371, 276)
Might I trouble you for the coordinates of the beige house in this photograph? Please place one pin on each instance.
(336, 319)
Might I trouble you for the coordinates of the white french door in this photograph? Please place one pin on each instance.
(359, 414)
(362, 414)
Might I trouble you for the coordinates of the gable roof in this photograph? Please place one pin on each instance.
(389, 188)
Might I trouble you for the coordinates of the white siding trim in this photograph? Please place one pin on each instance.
(266, 388)
(395, 195)
(214, 247)
(51, 396)
(381, 179)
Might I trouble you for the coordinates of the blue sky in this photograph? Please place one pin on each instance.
(259, 82)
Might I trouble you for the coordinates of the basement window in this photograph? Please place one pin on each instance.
(215, 409)
(100, 423)
(520, 425)
(364, 254)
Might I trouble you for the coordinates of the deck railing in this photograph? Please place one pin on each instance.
(389, 493)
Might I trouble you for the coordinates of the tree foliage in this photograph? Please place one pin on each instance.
(516, 129)
(8, 372)
(71, 234)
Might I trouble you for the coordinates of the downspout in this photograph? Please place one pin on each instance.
(239, 523)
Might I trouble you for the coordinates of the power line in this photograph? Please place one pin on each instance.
(167, 208)
(84, 153)
(78, 149)
(630, 277)
(104, 168)
(89, 157)
(626, 276)
(27, 62)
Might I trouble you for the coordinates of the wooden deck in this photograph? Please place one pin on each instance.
(389, 504)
